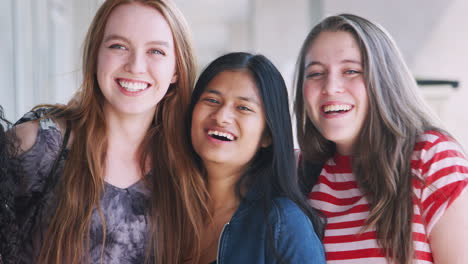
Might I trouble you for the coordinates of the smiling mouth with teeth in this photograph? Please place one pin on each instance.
(133, 86)
(330, 109)
(220, 135)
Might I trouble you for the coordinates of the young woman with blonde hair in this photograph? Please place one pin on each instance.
(393, 185)
(108, 177)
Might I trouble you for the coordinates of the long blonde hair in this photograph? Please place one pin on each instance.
(177, 193)
(396, 115)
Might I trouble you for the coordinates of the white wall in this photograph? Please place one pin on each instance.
(275, 28)
(42, 40)
(444, 54)
(7, 65)
(41, 58)
(409, 22)
(217, 26)
(41, 51)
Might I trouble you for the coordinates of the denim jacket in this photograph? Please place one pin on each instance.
(244, 238)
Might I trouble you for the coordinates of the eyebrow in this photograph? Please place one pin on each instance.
(312, 63)
(122, 38)
(352, 61)
(343, 61)
(243, 98)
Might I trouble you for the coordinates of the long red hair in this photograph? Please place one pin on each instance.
(177, 204)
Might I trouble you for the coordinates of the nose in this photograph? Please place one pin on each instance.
(223, 116)
(136, 63)
(333, 84)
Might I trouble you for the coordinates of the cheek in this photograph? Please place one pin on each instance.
(359, 92)
(311, 96)
(365, 103)
(100, 64)
(102, 59)
(310, 92)
(104, 65)
(165, 69)
(255, 128)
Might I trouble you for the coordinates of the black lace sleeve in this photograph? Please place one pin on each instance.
(37, 173)
(9, 244)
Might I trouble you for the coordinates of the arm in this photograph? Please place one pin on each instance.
(296, 238)
(38, 147)
(444, 199)
(450, 235)
(27, 128)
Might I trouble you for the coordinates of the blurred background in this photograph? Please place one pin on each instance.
(41, 41)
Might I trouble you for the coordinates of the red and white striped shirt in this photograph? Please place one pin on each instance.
(437, 159)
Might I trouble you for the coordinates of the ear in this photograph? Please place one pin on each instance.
(174, 78)
(266, 139)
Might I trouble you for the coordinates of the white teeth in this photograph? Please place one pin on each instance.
(133, 86)
(336, 108)
(221, 134)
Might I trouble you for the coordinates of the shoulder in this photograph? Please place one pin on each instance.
(284, 206)
(295, 238)
(287, 215)
(431, 141)
(26, 134)
(35, 124)
(437, 152)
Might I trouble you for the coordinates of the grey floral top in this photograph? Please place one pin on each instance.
(124, 210)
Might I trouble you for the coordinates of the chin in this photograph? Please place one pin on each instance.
(137, 110)
(338, 139)
(214, 159)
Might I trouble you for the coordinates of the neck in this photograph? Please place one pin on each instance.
(126, 132)
(344, 149)
(222, 187)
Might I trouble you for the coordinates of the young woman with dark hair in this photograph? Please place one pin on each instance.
(242, 141)
(8, 224)
(123, 187)
(393, 186)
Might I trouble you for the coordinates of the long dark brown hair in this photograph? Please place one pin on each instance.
(177, 192)
(382, 154)
(9, 239)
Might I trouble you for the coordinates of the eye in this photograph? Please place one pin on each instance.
(244, 108)
(313, 75)
(117, 46)
(352, 72)
(210, 100)
(156, 51)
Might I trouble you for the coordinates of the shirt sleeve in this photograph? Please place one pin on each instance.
(443, 167)
(34, 165)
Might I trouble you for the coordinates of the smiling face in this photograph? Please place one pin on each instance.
(136, 59)
(228, 121)
(334, 88)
